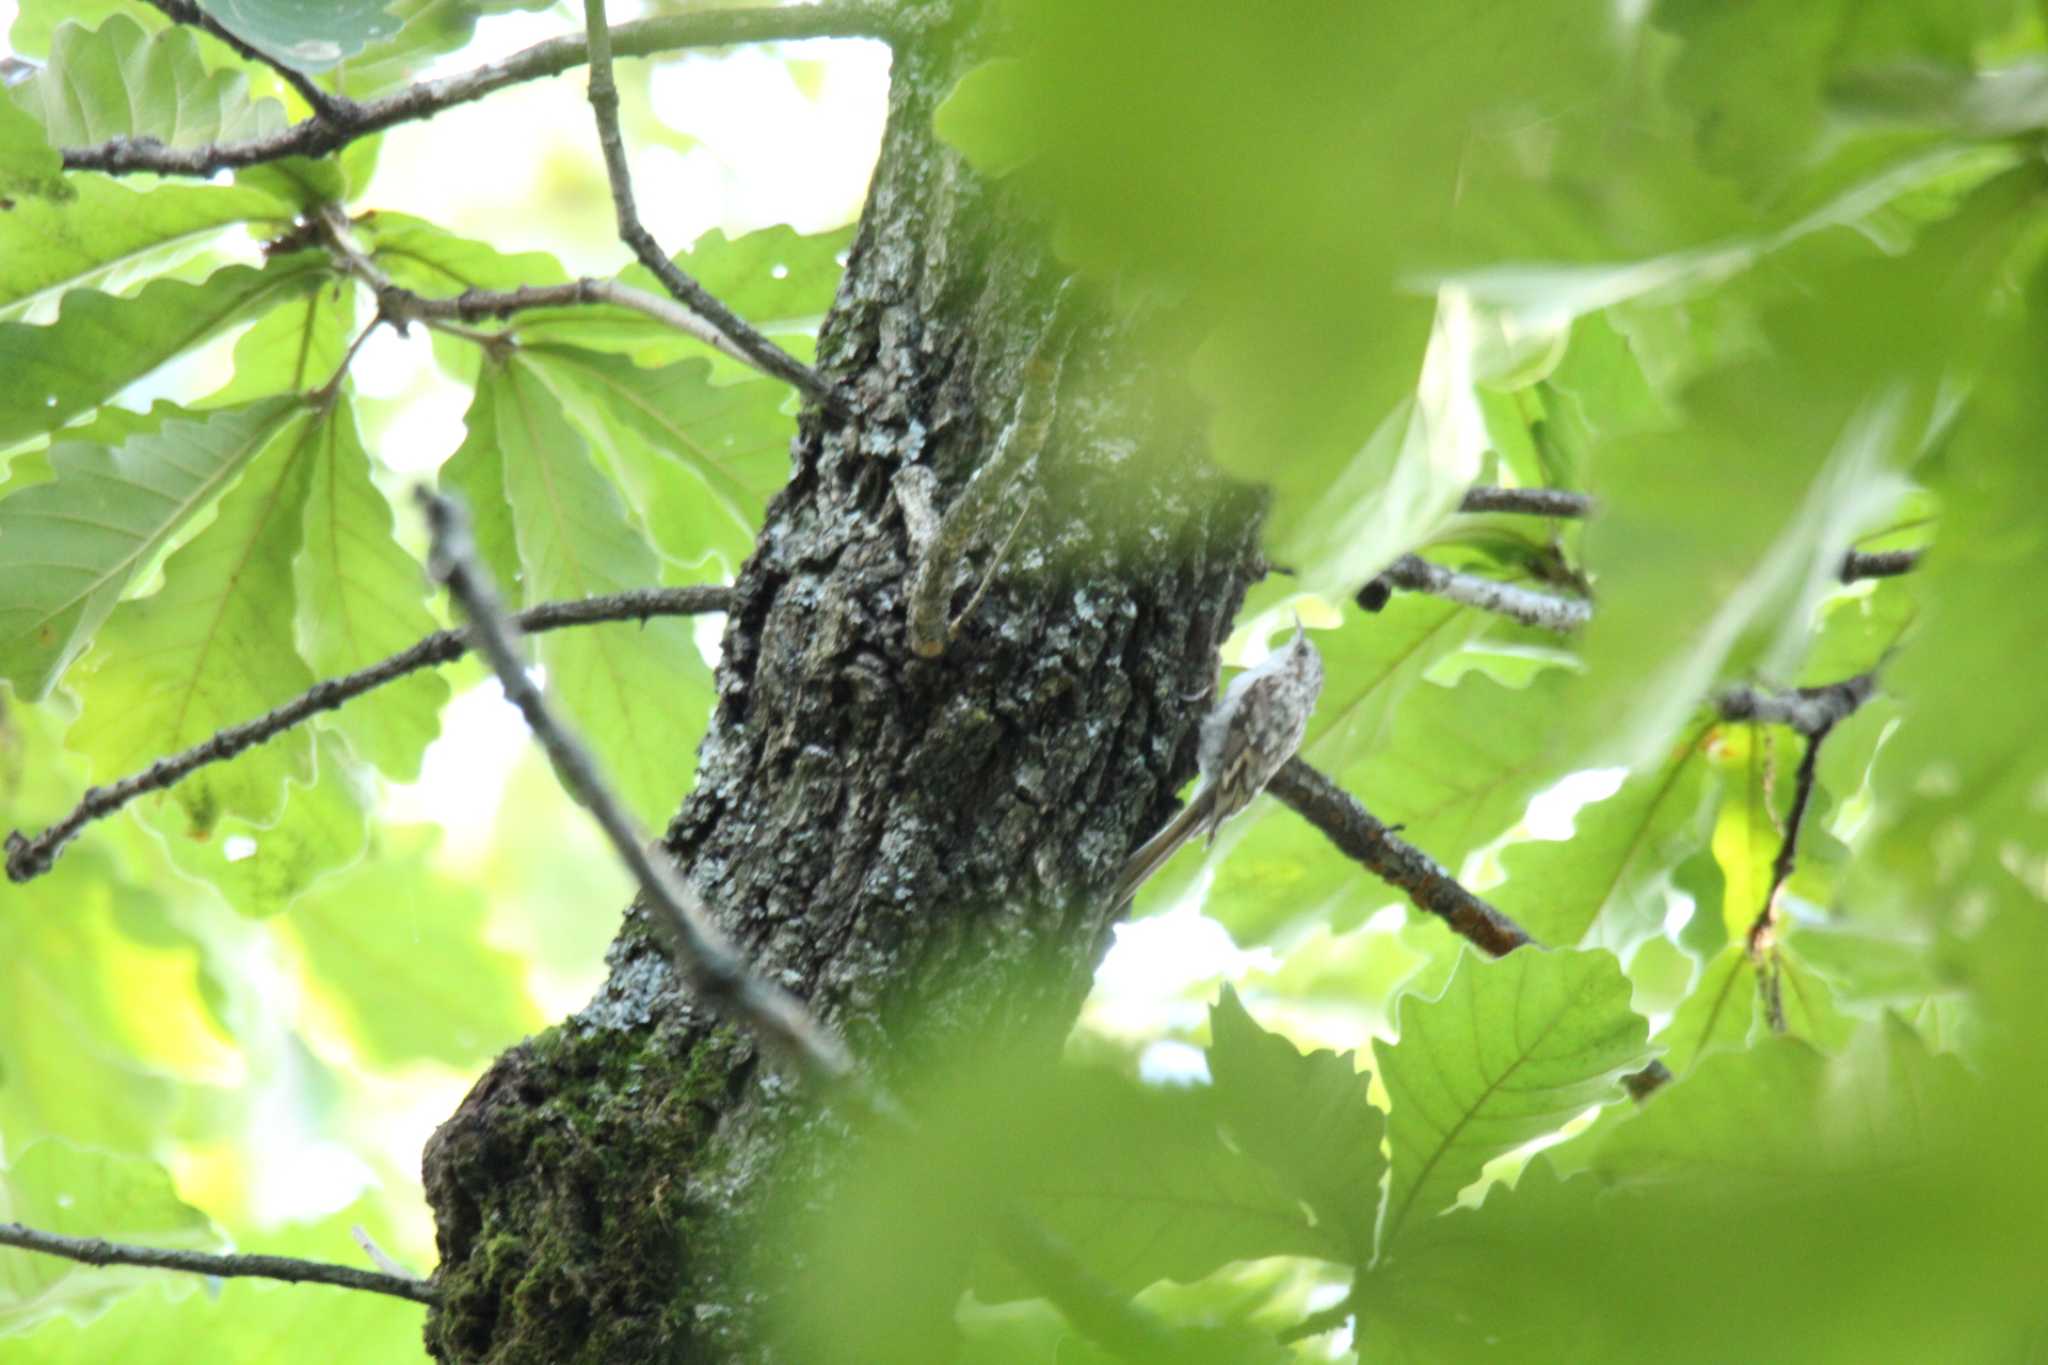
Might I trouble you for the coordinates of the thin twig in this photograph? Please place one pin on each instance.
(318, 136)
(94, 1251)
(28, 858)
(400, 305)
(1535, 502)
(604, 104)
(1360, 835)
(1859, 564)
(1763, 932)
(1809, 710)
(1545, 611)
(326, 106)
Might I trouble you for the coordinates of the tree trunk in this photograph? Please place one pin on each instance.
(919, 847)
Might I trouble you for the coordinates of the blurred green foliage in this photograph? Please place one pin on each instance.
(1766, 280)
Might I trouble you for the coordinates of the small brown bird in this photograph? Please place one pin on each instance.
(1254, 729)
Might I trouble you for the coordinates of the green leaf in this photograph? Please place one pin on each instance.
(100, 344)
(1814, 429)
(1513, 1049)
(261, 869)
(640, 694)
(29, 165)
(362, 598)
(295, 347)
(1719, 1013)
(1142, 1186)
(1458, 765)
(119, 81)
(1749, 830)
(98, 226)
(1771, 1115)
(1606, 882)
(72, 546)
(398, 952)
(700, 460)
(978, 117)
(1305, 1117)
(310, 38)
(214, 647)
(433, 261)
(56, 1187)
(77, 1055)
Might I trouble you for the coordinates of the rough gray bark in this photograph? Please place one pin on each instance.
(921, 848)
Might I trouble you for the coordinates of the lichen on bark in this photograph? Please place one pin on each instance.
(918, 847)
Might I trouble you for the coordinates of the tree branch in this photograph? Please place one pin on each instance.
(1763, 933)
(320, 135)
(1545, 611)
(1535, 502)
(604, 104)
(93, 1251)
(1859, 564)
(1359, 834)
(28, 858)
(400, 305)
(1809, 710)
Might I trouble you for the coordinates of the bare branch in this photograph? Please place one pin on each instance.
(318, 136)
(325, 106)
(1535, 502)
(1358, 834)
(401, 306)
(1860, 564)
(1763, 933)
(93, 1251)
(1809, 710)
(1545, 611)
(604, 103)
(28, 858)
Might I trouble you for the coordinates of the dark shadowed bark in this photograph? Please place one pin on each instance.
(919, 847)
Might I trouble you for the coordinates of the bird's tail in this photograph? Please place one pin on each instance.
(1153, 853)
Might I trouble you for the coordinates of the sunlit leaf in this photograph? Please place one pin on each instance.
(1604, 884)
(100, 344)
(118, 81)
(700, 459)
(215, 645)
(261, 868)
(73, 545)
(56, 1187)
(639, 693)
(1306, 1117)
(362, 597)
(1513, 1049)
(397, 953)
(99, 225)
